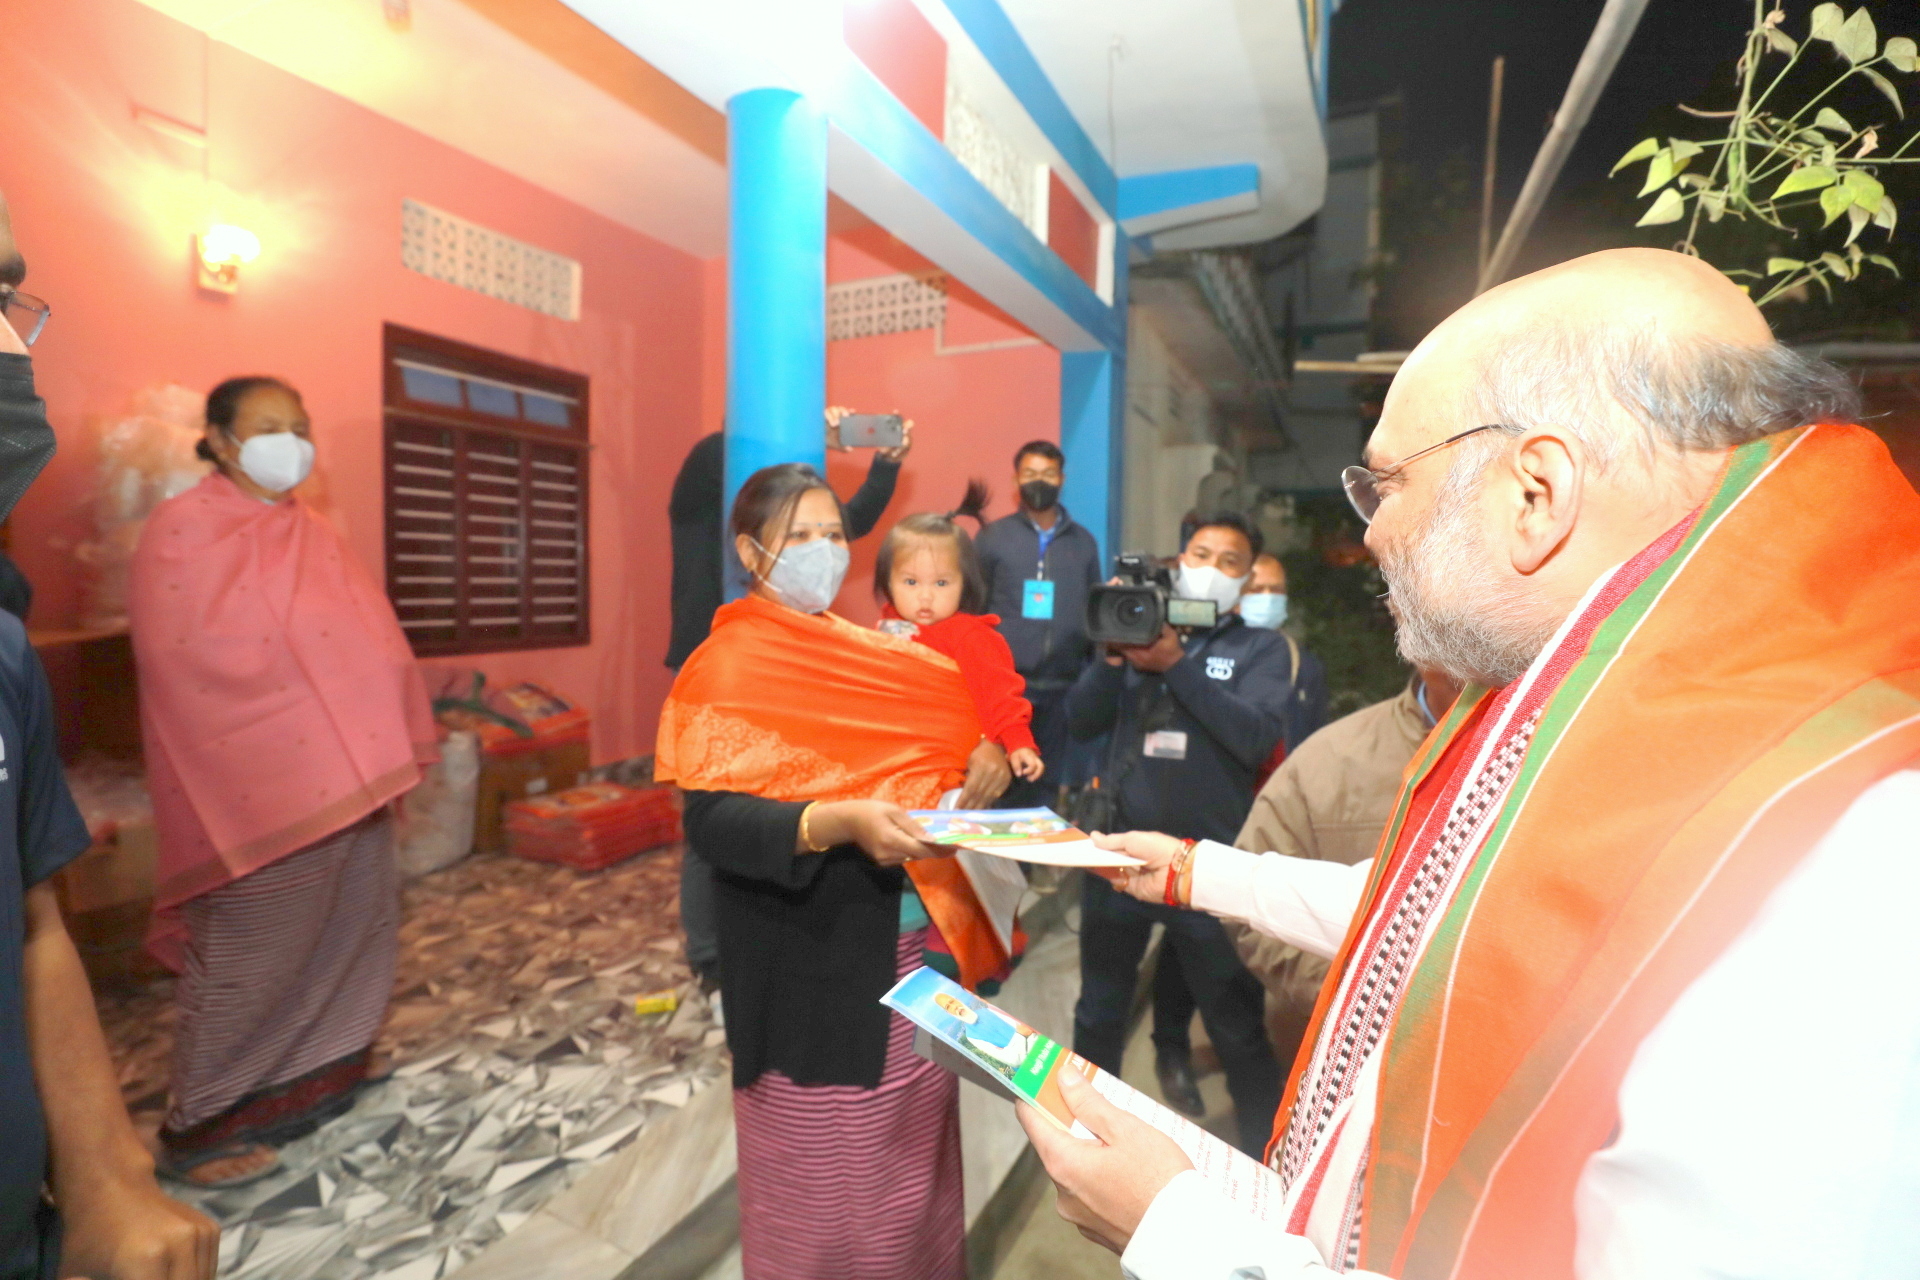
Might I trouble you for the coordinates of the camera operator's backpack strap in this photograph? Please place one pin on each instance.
(1097, 807)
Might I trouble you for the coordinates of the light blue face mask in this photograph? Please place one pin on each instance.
(1266, 609)
(807, 575)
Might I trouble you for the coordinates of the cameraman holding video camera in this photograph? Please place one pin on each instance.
(1193, 715)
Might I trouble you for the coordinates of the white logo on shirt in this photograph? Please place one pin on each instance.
(1220, 668)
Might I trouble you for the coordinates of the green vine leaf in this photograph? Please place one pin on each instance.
(1781, 41)
(1881, 260)
(1827, 21)
(1668, 206)
(1834, 201)
(1683, 150)
(1856, 40)
(1808, 178)
(1639, 151)
(1866, 189)
(1902, 54)
(1715, 203)
(1832, 121)
(1856, 223)
(1885, 86)
(1660, 171)
(1777, 266)
(1886, 214)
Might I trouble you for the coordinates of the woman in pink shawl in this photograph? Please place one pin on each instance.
(281, 711)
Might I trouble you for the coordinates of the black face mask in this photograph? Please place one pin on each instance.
(26, 441)
(1038, 495)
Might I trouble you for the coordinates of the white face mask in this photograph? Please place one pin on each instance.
(807, 575)
(1208, 583)
(277, 461)
(1267, 609)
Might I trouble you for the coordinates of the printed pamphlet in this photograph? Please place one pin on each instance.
(990, 1047)
(1024, 835)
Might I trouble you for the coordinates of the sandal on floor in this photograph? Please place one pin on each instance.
(179, 1165)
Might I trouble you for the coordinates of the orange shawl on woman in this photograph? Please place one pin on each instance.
(279, 701)
(795, 706)
(1717, 722)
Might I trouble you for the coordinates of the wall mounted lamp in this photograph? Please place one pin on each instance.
(222, 249)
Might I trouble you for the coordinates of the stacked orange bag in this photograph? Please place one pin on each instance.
(594, 826)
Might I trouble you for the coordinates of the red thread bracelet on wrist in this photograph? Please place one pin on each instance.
(1175, 870)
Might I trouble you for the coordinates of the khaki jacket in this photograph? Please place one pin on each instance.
(1329, 800)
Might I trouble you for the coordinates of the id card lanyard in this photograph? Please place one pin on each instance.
(1036, 593)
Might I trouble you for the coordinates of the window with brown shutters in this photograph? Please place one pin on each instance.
(486, 497)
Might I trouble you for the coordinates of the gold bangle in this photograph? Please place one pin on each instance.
(806, 836)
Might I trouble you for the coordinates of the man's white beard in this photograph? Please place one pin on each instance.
(1453, 612)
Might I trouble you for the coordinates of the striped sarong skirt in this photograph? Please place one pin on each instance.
(843, 1183)
(288, 973)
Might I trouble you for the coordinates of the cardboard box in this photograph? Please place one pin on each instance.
(106, 896)
(555, 767)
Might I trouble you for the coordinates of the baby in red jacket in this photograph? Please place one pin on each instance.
(928, 580)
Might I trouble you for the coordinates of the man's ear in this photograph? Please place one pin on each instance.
(1547, 473)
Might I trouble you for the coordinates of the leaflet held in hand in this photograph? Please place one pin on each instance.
(990, 1047)
(1024, 835)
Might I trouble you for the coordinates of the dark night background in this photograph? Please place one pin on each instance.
(1435, 57)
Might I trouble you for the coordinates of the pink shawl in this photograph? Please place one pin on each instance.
(279, 701)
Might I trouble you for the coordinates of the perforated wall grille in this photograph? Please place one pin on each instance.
(885, 304)
(1018, 181)
(438, 244)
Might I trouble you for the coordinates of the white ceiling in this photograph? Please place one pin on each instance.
(1194, 83)
(458, 78)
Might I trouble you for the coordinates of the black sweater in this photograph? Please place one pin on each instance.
(700, 555)
(1232, 698)
(807, 943)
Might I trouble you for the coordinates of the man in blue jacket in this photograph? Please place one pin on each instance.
(1192, 717)
(1039, 567)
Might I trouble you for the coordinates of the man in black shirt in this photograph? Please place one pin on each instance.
(1039, 566)
(1192, 717)
(70, 1162)
(699, 583)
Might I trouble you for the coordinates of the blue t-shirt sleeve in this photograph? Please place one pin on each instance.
(51, 832)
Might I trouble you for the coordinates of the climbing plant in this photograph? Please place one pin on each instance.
(1788, 159)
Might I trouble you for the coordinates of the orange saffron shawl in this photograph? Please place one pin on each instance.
(795, 706)
(1722, 718)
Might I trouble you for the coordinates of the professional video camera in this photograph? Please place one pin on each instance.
(1133, 610)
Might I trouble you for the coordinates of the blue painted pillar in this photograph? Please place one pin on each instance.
(1093, 415)
(776, 286)
(1092, 402)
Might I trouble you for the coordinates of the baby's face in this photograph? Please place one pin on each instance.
(925, 586)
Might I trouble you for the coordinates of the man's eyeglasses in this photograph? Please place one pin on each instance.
(1363, 483)
(26, 313)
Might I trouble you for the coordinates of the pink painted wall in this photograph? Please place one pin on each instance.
(104, 207)
(904, 52)
(971, 410)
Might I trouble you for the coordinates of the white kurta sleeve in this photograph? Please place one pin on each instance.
(1769, 1123)
(1304, 902)
(1192, 1232)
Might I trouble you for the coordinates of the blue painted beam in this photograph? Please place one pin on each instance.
(1152, 202)
(776, 286)
(1151, 193)
(999, 42)
(862, 109)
